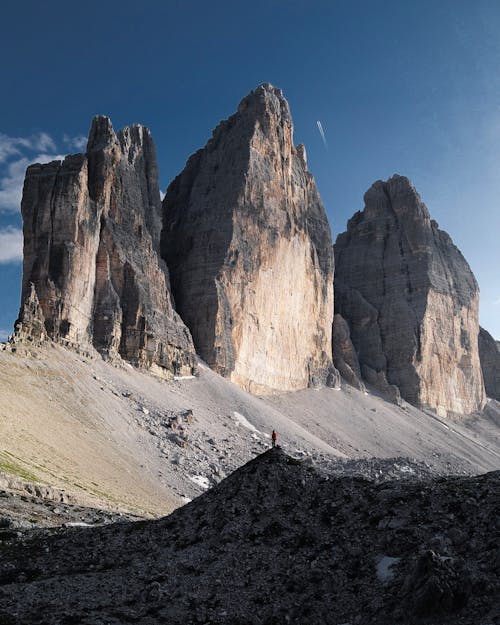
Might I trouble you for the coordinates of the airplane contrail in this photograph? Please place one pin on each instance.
(322, 133)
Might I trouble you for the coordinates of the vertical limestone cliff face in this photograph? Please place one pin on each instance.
(489, 352)
(411, 301)
(249, 250)
(92, 228)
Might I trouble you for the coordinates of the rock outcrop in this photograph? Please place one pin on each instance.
(489, 353)
(248, 246)
(91, 253)
(411, 301)
(345, 358)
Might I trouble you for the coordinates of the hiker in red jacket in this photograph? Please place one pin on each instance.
(274, 436)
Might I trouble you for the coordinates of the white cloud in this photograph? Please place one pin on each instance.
(12, 180)
(10, 146)
(497, 302)
(11, 245)
(16, 153)
(4, 334)
(44, 143)
(78, 143)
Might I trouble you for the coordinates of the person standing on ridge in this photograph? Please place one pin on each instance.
(274, 436)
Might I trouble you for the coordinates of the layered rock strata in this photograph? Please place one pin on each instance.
(489, 353)
(91, 263)
(249, 250)
(411, 301)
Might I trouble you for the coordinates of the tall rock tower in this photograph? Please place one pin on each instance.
(248, 245)
(411, 301)
(92, 270)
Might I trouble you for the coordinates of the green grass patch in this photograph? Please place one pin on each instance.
(9, 464)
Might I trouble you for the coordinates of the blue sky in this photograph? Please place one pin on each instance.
(399, 87)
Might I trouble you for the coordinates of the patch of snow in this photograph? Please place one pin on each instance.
(245, 423)
(186, 500)
(184, 377)
(200, 480)
(384, 566)
(406, 469)
(77, 524)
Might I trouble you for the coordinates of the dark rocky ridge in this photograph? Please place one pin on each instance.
(411, 301)
(241, 219)
(489, 352)
(92, 273)
(276, 542)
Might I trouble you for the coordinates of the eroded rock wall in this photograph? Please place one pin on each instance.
(91, 252)
(249, 250)
(489, 353)
(411, 301)
(345, 358)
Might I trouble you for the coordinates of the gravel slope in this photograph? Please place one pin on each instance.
(116, 438)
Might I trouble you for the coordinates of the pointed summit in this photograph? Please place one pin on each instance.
(265, 99)
(248, 245)
(92, 275)
(411, 301)
(101, 133)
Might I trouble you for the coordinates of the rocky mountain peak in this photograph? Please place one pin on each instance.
(266, 100)
(243, 216)
(91, 239)
(411, 301)
(396, 196)
(101, 134)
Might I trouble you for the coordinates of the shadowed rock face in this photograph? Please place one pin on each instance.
(276, 542)
(489, 352)
(91, 239)
(345, 358)
(411, 301)
(249, 250)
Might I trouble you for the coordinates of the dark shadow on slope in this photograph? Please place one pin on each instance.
(275, 542)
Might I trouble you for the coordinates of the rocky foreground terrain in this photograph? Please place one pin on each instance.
(276, 542)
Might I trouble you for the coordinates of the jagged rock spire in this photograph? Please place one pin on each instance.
(249, 248)
(411, 301)
(91, 237)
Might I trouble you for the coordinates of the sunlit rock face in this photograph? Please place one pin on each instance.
(249, 251)
(91, 240)
(489, 352)
(411, 301)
